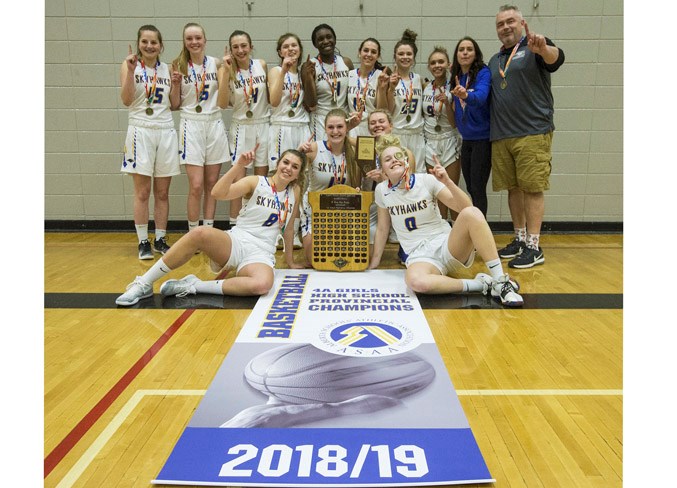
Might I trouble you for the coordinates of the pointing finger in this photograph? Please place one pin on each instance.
(526, 28)
(130, 49)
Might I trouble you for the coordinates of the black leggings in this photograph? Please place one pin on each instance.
(476, 166)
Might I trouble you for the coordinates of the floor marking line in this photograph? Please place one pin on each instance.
(83, 463)
(72, 438)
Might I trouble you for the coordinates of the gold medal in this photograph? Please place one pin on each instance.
(438, 128)
(149, 111)
(408, 118)
(249, 114)
(198, 109)
(504, 84)
(290, 113)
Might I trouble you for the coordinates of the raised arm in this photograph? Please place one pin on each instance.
(223, 75)
(451, 195)
(225, 189)
(127, 78)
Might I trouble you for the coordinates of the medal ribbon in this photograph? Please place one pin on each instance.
(247, 96)
(149, 94)
(200, 91)
(409, 92)
(281, 217)
(361, 95)
(338, 181)
(332, 83)
(401, 156)
(295, 94)
(502, 72)
(442, 89)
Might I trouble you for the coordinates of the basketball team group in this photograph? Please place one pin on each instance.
(294, 130)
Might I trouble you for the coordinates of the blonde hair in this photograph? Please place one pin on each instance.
(386, 141)
(181, 61)
(354, 171)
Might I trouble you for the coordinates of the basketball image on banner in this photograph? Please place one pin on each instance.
(334, 380)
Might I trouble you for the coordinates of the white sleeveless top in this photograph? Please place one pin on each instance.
(160, 104)
(192, 87)
(326, 169)
(256, 87)
(260, 215)
(291, 87)
(364, 90)
(433, 114)
(325, 74)
(410, 86)
(413, 212)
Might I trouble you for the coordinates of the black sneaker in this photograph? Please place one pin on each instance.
(513, 249)
(160, 245)
(144, 250)
(528, 258)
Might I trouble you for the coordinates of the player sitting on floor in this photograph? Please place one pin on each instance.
(435, 250)
(249, 247)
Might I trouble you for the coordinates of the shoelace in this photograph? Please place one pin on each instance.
(184, 292)
(135, 282)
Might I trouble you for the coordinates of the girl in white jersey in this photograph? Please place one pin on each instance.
(404, 98)
(203, 143)
(330, 162)
(289, 119)
(365, 94)
(248, 95)
(149, 90)
(249, 248)
(435, 250)
(439, 127)
(325, 79)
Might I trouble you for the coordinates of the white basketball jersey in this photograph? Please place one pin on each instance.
(254, 88)
(362, 93)
(326, 169)
(192, 87)
(260, 215)
(143, 86)
(408, 87)
(329, 78)
(413, 212)
(291, 88)
(433, 113)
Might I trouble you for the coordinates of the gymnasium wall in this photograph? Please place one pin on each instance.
(87, 40)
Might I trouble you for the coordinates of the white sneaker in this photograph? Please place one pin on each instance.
(280, 242)
(180, 288)
(136, 291)
(505, 290)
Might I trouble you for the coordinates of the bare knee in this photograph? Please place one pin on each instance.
(261, 286)
(196, 188)
(418, 283)
(471, 214)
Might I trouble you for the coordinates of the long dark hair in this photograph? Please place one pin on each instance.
(377, 63)
(475, 67)
(408, 39)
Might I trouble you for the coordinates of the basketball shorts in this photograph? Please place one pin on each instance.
(151, 152)
(203, 142)
(436, 252)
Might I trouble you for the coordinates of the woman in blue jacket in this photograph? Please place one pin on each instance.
(471, 83)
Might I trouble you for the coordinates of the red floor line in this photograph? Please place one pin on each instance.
(64, 447)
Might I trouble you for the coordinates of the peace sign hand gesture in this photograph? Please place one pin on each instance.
(439, 172)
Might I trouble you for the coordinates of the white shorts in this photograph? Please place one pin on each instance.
(283, 137)
(151, 152)
(203, 142)
(244, 137)
(305, 216)
(436, 252)
(416, 144)
(447, 147)
(244, 250)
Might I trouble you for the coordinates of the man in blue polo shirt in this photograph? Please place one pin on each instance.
(521, 129)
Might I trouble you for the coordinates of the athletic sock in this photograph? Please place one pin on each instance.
(208, 222)
(533, 241)
(157, 271)
(521, 234)
(142, 232)
(212, 286)
(160, 233)
(495, 268)
(472, 286)
(193, 224)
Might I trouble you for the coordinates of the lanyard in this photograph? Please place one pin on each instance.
(247, 96)
(149, 94)
(503, 72)
(332, 83)
(199, 91)
(295, 94)
(334, 166)
(409, 92)
(281, 217)
(361, 95)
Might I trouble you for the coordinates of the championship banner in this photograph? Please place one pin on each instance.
(334, 380)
